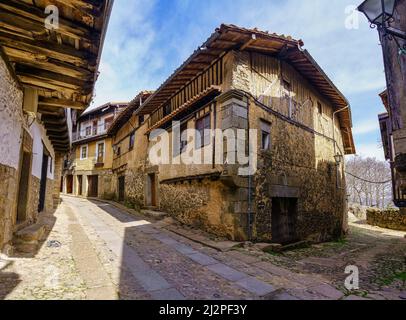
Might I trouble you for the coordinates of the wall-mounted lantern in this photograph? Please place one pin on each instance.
(380, 15)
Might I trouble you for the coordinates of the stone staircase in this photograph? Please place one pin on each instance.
(27, 240)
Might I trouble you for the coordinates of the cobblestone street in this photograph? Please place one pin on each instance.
(95, 250)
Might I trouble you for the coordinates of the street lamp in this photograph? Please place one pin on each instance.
(378, 11)
(380, 14)
(338, 158)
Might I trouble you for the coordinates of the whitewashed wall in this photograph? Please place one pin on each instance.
(11, 118)
(38, 134)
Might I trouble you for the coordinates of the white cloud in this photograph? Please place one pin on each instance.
(366, 127)
(372, 150)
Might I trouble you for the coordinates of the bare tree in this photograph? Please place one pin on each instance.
(369, 182)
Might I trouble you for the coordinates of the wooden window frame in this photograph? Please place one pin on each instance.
(265, 131)
(98, 151)
(81, 152)
(131, 143)
(206, 126)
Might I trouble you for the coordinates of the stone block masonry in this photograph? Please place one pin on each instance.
(389, 219)
(8, 195)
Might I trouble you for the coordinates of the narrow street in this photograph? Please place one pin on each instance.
(94, 250)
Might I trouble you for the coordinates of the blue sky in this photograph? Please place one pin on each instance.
(148, 39)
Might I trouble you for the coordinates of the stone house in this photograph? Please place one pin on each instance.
(44, 74)
(89, 171)
(394, 98)
(128, 140)
(392, 151)
(271, 89)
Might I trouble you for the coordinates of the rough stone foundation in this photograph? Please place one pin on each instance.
(8, 189)
(49, 199)
(389, 219)
(134, 188)
(32, 208)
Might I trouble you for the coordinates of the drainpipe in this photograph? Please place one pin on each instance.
(343, 163)
(334, 139)
(249, 154)
(249, 177)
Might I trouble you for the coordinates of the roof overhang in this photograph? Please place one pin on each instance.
(230, 37)
(129, 111)
(60, 64)
(385, 99)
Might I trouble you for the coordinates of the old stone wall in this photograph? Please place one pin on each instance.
(11, 118)
(390, 219)
(107, 185)
(8, 195)
(49, 198)
(57, 179)
(201, 204)
(11, 123)
(32, 207)
(134, 191)
(299, 165)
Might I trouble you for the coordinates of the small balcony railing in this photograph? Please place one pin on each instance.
(93, 132)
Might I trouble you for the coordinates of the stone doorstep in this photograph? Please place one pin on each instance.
(26, 246)
(222, 246)
(154, 214)
(327, 290)
(32, 233)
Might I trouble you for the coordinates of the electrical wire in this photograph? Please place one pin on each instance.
(368, 181)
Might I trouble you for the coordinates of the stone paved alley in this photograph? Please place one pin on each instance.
(95, 250)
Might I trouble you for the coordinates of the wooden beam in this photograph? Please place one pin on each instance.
(42, 62)
(61, 103)
(52, 77)
(50, 49)
(24, 12)
(249, 42)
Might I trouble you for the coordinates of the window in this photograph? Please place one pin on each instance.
(203, 127)
(88, 131)
(167, 110)
(119, 151)
(265, 135)
(286, 84)
(83, 152)
(141, 119)
(107, 123)
(94, 128)
(319, 107)
(179, 144)
(183, 137)
(100, 152)
(132, 140)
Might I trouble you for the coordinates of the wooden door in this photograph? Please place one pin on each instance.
(69, 184)
(43, 184)
(23, 188)
(80, 185)
(93, 186)
(151, 190)
(284, 217)
(121, 190)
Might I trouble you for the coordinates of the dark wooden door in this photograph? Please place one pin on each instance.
(80, 185)
(43, 184)
(151, 190)
(284, 217)
(121, 186)
(93, 186)
(69, 184)
(24, 187)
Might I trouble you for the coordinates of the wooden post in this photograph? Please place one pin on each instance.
(395, 70)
